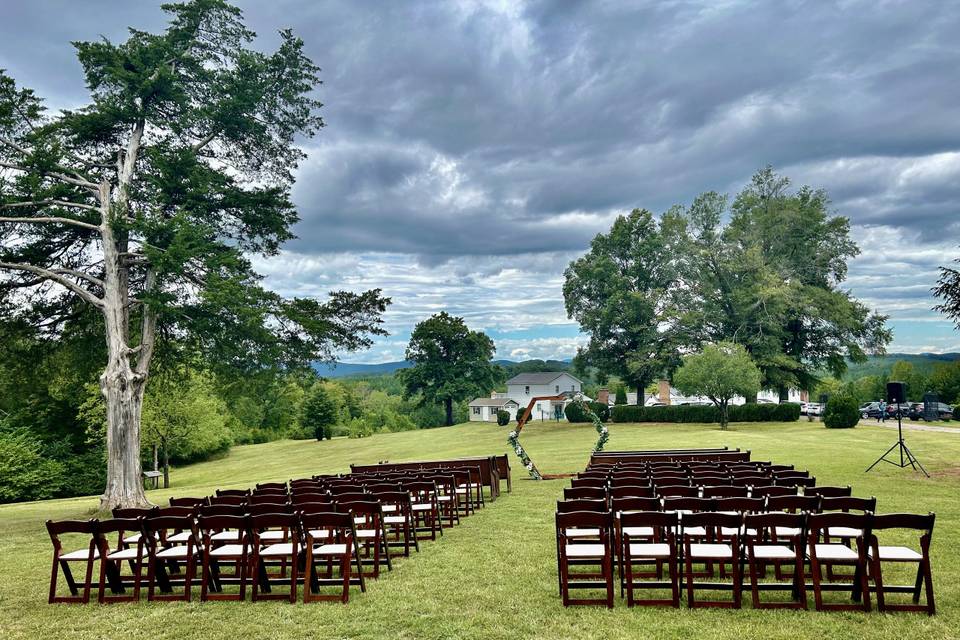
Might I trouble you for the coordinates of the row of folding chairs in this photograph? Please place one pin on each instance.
(673, 550)
(250, 535)
(709, 491)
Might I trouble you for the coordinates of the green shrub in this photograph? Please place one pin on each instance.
(621, 395)
(24, 473)
(503, 418)
(787, 412)
(601, 410)
(574, 412)
(841, 412)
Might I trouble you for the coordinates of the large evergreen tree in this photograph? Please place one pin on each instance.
(450, 363)
(948, 290)
(146, 204)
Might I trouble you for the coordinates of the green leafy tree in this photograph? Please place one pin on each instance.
(771, 280)
(146, 204)
(624, 295)
(621, 395)
(720, 372)
(948, 290)
(841, 412)
(319, 414)
(945, 382)
(451, 363)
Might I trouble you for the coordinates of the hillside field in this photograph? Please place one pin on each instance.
(494, 576)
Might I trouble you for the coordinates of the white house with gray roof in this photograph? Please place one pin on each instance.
(521, 389)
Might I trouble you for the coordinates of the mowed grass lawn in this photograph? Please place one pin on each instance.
(494, 576)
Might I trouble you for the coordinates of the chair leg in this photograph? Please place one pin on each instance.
(878, 583)
(53, 579)
(928, 581)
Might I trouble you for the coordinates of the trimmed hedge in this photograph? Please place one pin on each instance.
(503, 417)
(841, 412)
(575, 413)
(787, 412)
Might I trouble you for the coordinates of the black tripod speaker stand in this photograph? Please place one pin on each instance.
(906, 456)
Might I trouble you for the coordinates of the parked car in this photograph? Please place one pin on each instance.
(803, 408)
(944, 411)
(870, 410)
(814, 409)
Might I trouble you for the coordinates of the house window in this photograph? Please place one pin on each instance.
(573, 387)
(526, 389)
(476, 411)
(557, 389)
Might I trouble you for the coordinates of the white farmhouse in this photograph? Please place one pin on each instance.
(524, 387)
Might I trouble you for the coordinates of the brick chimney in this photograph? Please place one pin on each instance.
(603, 395)
(663, 390)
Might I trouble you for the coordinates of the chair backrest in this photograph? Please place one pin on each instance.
(829, 492)
(710, 520)
(209, 525)
(632, 491)
(156, 527)
(709, 480)
(233, 492)
(340, 524)
(234, 500)
(321, 506)
(57, 528)
(178, 511)
(776, 525)
(795, 482)
(766, 491)
(917, 521)
(688, 504)
(629, 479)
(663, 523)
(684, 491)
(120, 525)
(400, 500)
(739, 504)
(268, 498)
(353, 496)
(269, 507)
(725, 491)
(819, 523)
(271, 486)
(634, 503)
(590, 493)
(187, 502)
(288, 522)
(339, 489)
(384, 487)
(133, 512)
(584, 520)
(588, 482)
(222, 510)
(303, 498)
(849, 503)
(794, 504)
(581, 504)
(367, 508)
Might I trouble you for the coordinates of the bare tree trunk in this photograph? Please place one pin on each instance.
(640, 392)
(166, 466)
(122, 390)
(448, 403)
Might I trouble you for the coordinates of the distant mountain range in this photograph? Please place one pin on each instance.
(349, 369)
(873, 366)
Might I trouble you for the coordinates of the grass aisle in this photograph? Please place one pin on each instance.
(494, 576)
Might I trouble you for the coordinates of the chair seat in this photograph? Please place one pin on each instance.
(710, 550)
(229, 550)
(729, 531)
(367, 533)
(835, 552)
(773, 552)
(127, 554)
(226, 536)
(272, 535)
(897, 554)
(182, 536)
(787, 532)
(637, 532)
(395, 519)
(582, 533)
(176, 552)
(444, 498)
(389, 508)
(695, 532)
(133, 539)
(330, 550)
(423, 506)
(80, 554)
(844, 532)
(320, 533)
(651, 550)
(279, 549)
(585, 550)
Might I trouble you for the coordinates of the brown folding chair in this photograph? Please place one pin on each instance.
(425, 509)
(271, 486)
(447, 498)
(267, 498)
(111, 565)
(236, 493)
(267, 550)
(584, 493)
(225, 540)
(309, 496)
(398, 519)
(829, 492)
(187, 502)
(631, 491)
(88, 529)
(228, 500)
(692, 526)
(659, 547)
(371, 534)
(879, 554)
(600, 483)
(599, 553)
(764, 545)
(330, 537)
(170, 540)
(829, 554)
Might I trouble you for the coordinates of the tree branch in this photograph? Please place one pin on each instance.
(52, 220)
(59, 279)
(148, 326)
(49, 202)
(205, 140)
(80, 274)
(86, 184)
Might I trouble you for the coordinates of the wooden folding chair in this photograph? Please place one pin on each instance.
(371, 534)
(61, 560)
(233, 500)
(599, 553)
(225, 540)
(398, 519)
(711, 551)
(764, 545)
(330, 537)
(187, 502)
(600, 483)
(171, 540)
(829, 554)
(425, 509)
(656, 544)
(829, 492)
(267, 498)
(111, 565)
(879, 554)
(309, 496)
(235, 493)
(630, 491)
(266, 549)
(584, 493)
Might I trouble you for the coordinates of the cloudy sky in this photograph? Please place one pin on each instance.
(472, 149)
